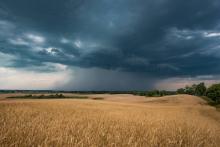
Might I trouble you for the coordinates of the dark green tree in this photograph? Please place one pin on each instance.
(213, 93)
(181, 91)
(153, 93)
(190, 90)
(200, 89)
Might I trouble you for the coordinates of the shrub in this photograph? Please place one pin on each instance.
(213, 93)
(200, 89)
(181, 91)
(153, 93)
(190, 89)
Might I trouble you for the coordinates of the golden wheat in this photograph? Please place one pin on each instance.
(100, 123)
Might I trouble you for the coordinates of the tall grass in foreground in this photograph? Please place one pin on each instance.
(95, 123)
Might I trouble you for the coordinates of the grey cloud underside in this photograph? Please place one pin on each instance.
(163, 38)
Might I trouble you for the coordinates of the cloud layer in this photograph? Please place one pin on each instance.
(123, 44)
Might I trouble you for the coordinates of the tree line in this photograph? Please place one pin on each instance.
(154, 93)
(212, 92)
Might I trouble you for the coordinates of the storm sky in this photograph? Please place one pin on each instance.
(108, 44)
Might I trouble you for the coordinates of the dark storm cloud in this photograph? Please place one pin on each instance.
(163, 38)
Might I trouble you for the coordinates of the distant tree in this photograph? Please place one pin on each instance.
(190, 90)
(194, 88)
(213, 93)
(61, 95)
(150, 93)
(153, 93)
(200, 89)
(181, 91)
(163, 93)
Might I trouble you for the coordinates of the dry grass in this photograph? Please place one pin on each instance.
(104, 123)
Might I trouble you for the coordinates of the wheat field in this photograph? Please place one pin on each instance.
(172, 121)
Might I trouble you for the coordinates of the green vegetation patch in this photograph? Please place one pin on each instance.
(154, 93)
(52, 96)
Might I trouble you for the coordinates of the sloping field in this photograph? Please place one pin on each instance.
(117, 120)
(172, 100)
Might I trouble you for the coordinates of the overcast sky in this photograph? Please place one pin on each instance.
(108, 44)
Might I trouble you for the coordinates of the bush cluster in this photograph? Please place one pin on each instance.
(155, 93)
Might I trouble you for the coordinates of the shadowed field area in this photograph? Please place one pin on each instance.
(109, 120)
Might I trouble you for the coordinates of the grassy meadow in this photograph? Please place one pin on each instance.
(109, 120)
